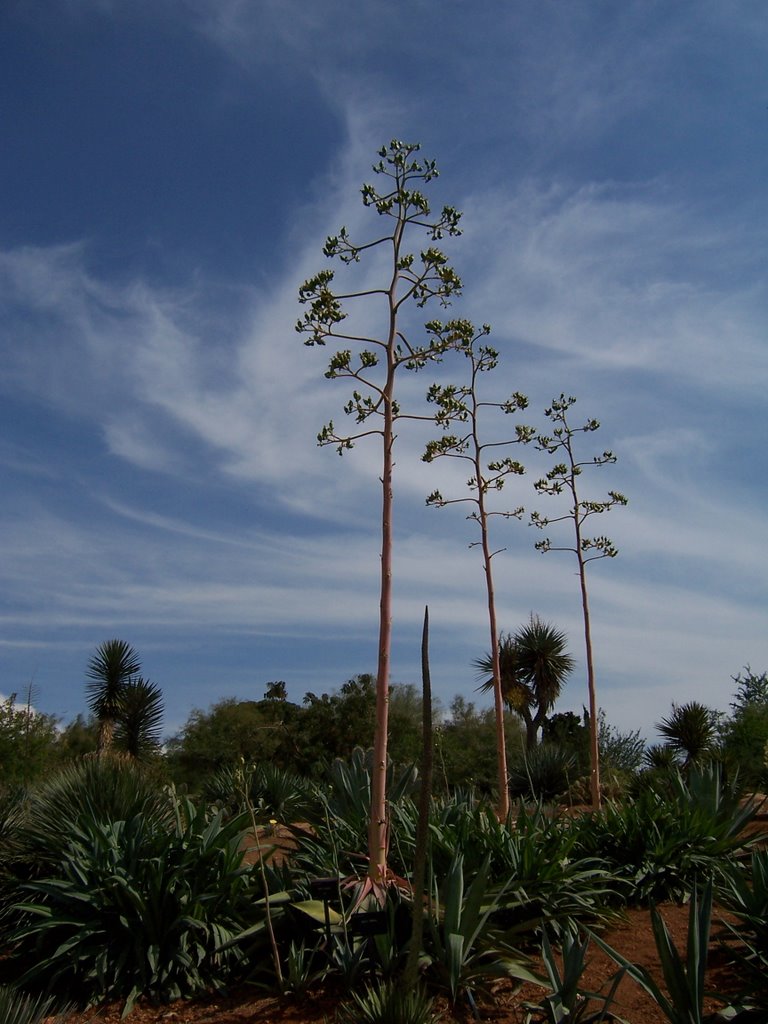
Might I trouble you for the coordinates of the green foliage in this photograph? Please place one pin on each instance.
(272, 792)
(11, 811)
(78, 738)
(691, 731)
(660, 757)
(745, 734)
(543, 773)
(293, 737)
(620, 751)
(333, 724)
(301, 969)
(405, 712)
(135, 908)
(534, 664)
(465, 747)
(111, 667)
(744, 892)
(388, 1002)
(745, 745)
(18, 1008)
(568, 1001)
(751, 689)
(465, 949)
(104, 790)
(139, 722)
(232, 732)
(27, 743)
(665, 838)
(570, 731)
(683, 1000)
(340, 814)
(535, 857)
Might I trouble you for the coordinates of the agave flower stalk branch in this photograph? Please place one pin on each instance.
(462, 405)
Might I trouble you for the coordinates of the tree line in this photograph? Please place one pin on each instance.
(547, 751)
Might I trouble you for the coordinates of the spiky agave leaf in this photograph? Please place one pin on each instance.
(18, 1008)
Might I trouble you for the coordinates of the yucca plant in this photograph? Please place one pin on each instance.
(111, 668)
(691, 731)
(18, 1008)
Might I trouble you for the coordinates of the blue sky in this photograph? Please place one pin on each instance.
(168, 174)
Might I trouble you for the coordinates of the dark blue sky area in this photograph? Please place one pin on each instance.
(136, 137)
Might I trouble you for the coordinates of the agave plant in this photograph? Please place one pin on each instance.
(682, 999)
(465, 949)
(568, 1002)
(745, 894)
(537, 859)
(340, 814)
(664, 839)
(134, 907)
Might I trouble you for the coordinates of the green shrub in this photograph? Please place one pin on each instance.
(136, 907)
(668, 836)
(536, 857)
(543, 773)
(95, 789)
(744, 892)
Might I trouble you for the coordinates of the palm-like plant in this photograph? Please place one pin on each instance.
(140, 716)
(108, 672)
(534, 665)
(690, 730)
(660, 757)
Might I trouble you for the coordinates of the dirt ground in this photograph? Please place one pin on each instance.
(632, 937)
